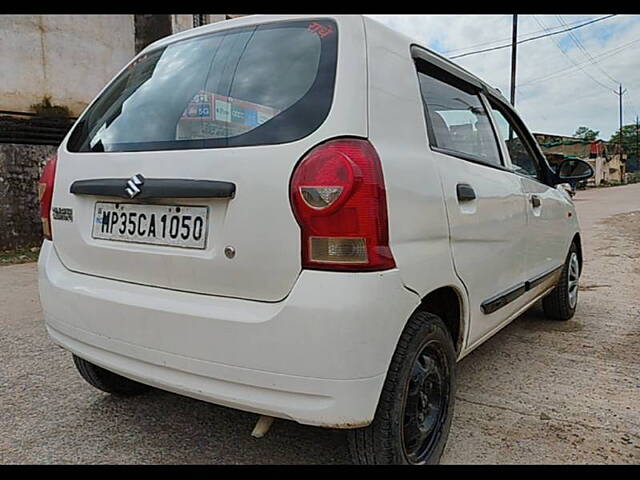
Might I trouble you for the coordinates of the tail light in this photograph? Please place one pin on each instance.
(339, 200)
(45, 195)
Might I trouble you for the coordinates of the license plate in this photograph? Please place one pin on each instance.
(170, 225)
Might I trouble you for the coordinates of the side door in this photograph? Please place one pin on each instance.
(484, 200)
(548, 209)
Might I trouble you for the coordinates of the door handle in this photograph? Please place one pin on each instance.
(535, 201)
(465, 192)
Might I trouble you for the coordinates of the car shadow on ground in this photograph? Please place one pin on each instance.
(162, 427)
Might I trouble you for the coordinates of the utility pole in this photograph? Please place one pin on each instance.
(620, 92)
(514, 47)
(637, 151)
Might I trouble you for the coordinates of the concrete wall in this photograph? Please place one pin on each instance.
(185, 22)
(615, 169)
(67, 57)
(149, 28)
(611, 170)
(180, 23)
(20, 168)
(598, 165)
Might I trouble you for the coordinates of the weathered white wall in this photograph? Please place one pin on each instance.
(180, 23)
(598, 167)
(67, 57)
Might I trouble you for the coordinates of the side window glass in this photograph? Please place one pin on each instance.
(459, 122)
(523, 161)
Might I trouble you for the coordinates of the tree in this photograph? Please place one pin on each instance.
(586, 133)
(630, 138)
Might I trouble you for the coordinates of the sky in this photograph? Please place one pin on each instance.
(558, 86)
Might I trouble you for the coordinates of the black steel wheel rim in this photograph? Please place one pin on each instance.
(425, 403)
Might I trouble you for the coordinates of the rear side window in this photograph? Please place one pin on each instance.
(458, 121)
(257, 85)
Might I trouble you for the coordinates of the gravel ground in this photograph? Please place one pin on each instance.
(538, 392)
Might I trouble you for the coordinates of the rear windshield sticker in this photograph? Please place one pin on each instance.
(220, 116)
(321, 30)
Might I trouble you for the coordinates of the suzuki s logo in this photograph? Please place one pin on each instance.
(133, 185)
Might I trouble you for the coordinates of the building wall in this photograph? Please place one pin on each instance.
(148, 28)
(68, 58)
(180, 23)
(608, 170)
(20, 169)
(598, 165)
(185, 22)
(608, 167)
(615, 169)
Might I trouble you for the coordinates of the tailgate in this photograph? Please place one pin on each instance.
(234, 107)
(257, 222)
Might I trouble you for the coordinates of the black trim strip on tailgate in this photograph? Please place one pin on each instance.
(502, 299)
(155, 188)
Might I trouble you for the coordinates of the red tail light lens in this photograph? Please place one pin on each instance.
(339, 200)
(45, 195)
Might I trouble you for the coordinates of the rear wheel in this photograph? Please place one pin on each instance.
(561, 303)
(414, 413)
(108, 381)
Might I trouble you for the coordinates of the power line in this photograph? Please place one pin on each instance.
(533, 38)
(571, 59)
(600, 57)
(631, 105)
(581, 46)
(524, 36)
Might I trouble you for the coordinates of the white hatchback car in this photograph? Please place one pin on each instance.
(310, 218)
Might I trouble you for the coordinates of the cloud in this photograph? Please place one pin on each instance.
(569, 97)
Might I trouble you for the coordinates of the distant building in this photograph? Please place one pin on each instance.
(607, 161)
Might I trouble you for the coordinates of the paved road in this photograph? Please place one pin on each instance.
(537, 392)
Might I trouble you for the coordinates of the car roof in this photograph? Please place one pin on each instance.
(433, 57)
(243, 21)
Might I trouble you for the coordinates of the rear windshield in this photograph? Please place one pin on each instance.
(257, 85)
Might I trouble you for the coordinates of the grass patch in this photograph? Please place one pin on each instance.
(19, 255)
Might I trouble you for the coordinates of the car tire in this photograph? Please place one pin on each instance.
(108, 381)
(561, 303)
(422, 371)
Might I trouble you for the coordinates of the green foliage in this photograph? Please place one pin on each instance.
(630, 140)
(634, 177)
(20, 255)
(586, 133)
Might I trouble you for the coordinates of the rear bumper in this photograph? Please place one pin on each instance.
(318, 357)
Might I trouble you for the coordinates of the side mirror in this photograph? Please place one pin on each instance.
(574, 170)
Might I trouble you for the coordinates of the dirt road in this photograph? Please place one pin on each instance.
(537, 392)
